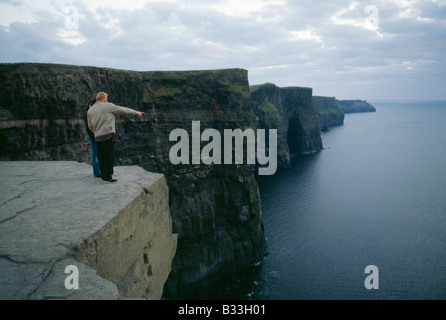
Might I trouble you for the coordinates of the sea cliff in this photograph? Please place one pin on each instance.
(215, 209)
(330, 114)
(290, 110)
(355, 106)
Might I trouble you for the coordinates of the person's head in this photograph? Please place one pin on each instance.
(102, 96)
(90, 104)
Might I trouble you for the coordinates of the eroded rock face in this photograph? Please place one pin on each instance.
(55, 214)
(215, 208)
(304, 135)
(330, 114)
(41, 107)
(291, 111)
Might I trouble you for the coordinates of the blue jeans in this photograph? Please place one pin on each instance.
(94, 158)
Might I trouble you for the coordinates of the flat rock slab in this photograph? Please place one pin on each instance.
(51, 212)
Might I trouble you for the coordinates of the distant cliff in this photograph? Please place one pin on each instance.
(330, 114)
(215, 208)
(290, 110)
(354, 106)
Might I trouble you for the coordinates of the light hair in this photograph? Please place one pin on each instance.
(101, 95)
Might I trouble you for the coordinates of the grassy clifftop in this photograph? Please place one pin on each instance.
(354, 106)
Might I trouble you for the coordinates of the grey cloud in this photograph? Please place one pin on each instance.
(187, 35)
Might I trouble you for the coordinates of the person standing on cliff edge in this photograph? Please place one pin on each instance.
(101, 121)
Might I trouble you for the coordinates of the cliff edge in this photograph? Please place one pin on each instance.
(215, 209)
(355, 106)
(55, 214)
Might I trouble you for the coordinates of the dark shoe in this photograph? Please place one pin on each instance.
(109, 180)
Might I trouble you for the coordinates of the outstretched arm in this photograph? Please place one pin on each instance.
(124, 111)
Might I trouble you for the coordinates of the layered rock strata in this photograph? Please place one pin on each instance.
(290, 110)
(55, 215)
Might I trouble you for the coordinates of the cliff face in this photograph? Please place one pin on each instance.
(41, 108)
(355, 106)
(55, 214)
(215, 208)
(289, 110)
(330, 114)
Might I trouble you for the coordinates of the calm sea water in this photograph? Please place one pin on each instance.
(376, 195)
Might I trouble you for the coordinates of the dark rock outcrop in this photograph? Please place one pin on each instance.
(355, 106)
(330, 114)
(215, 208)
(289, 110)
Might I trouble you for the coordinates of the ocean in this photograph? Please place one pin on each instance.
(375, 197)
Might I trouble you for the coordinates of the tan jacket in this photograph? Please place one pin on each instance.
(101, 119)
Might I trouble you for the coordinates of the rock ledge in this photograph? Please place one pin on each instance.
(55, 213)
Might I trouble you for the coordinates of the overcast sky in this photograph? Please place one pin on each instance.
(345, 49)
